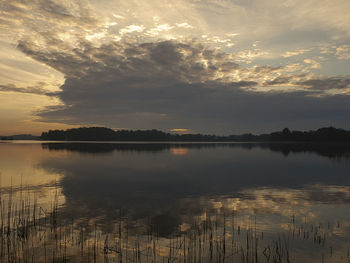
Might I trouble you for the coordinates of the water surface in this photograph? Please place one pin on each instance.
(178, 202)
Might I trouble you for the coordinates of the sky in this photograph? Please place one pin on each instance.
(209, 66)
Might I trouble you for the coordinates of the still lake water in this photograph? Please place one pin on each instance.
(174, 202)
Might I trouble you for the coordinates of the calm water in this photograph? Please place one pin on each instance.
(159, 202)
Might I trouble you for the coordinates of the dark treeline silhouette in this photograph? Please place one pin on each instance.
(20, 137)
(106, 134)
(329, 134)
(7, 138)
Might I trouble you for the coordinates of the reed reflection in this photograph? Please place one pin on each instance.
(137, 202)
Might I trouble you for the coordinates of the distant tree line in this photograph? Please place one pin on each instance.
(329, 134)
(20, 137)
(6, 138)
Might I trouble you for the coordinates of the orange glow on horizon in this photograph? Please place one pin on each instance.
(180, 130)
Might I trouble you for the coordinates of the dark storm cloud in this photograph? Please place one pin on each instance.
(323, 84)
(68, 63)
(170, 84)
(314, 86)
(279, 81)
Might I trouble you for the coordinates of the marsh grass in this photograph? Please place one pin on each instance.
(31, 233)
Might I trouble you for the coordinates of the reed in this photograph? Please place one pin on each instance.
(31, 233)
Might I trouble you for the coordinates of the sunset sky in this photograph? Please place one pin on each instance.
(209, 66)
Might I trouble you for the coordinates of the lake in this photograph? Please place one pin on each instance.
(174, 202)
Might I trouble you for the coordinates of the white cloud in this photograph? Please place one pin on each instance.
(131, 29)
(118, 16)
(95, 36)
(184, 25)
(158, 29)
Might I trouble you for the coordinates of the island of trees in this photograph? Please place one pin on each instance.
(328, 134)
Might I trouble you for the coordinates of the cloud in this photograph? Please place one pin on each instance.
(131, 28)
(247, 56)
(314, 86)
(37, 90)
(184, 25)
(126, 75)
(314, 64)
(41, 14)
(158, 29)
(183, 84)
(343, 52)
(295, 53)
(281, 80)
(327, 84)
